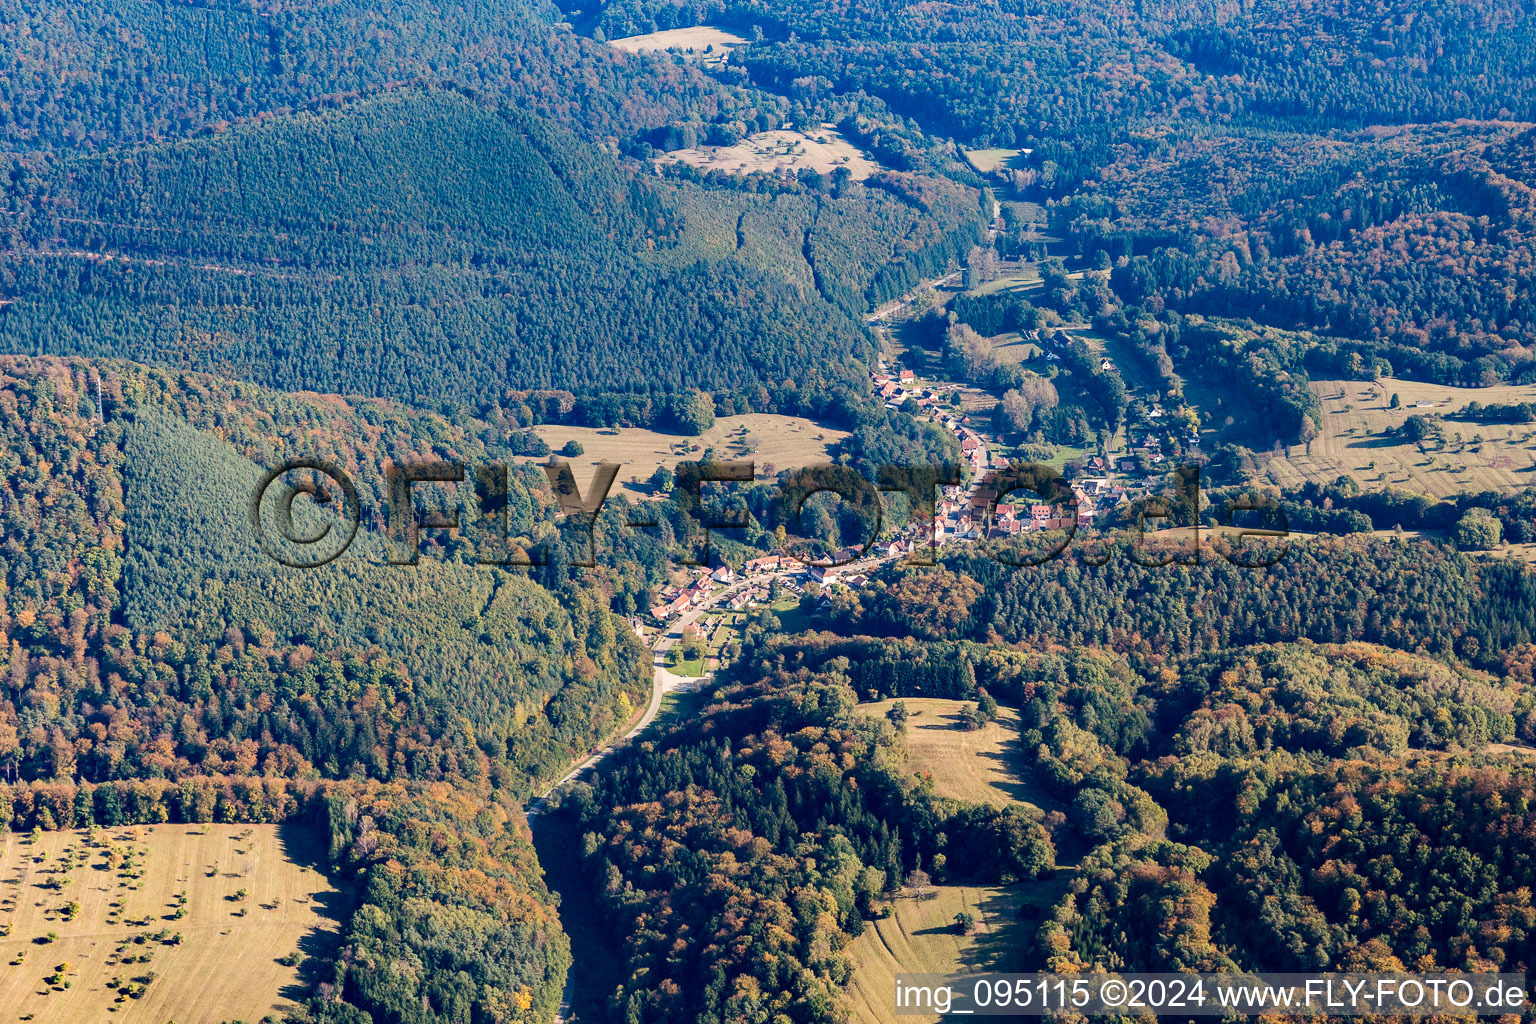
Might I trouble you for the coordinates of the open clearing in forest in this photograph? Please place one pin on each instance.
(1012, 348)
(1358, 440)
(988, 160)
(783, 442)
(126, 888)
(710, 45)
(1019, 279)
(980, 766)
(920, 937)
(977, 766)
(777, 152)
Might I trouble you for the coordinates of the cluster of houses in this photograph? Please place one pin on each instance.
(960, 517)
(1053, 341)
(960, 514)
(675, 600)
(793, 575)
(896, 390)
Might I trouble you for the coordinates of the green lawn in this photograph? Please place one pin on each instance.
(794, 618)
(684, 667)
(1062, 455)
(1012, 282)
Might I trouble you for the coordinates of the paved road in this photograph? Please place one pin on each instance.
(664, 681)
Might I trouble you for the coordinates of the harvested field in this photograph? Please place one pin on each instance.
(160, 923)
(778, 152)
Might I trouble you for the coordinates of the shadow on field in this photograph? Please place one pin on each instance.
(1012, 916)
(303, 843)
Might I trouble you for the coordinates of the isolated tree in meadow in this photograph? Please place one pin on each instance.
(897, 715)
(572, 449)
(986, 706)
(971, 718)
(965, 922)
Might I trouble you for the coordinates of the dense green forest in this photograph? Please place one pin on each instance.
(1408, 595)
(424, 247)
(419, 202)
(1359, 171)
(96, 75)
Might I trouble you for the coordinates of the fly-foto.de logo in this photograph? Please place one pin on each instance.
(306, 513)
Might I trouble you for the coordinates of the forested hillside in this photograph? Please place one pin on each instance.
(1408, 247)
(739, 853)
(410, 203)
(1014, 73)
(1291, 806)
(1357, 170)
(158, 667)
(131, 570)
(1107, 235)
(1408, 595)
(416, 246)
(101, 74)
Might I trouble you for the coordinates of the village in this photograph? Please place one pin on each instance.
(713, 600)
(699, 613)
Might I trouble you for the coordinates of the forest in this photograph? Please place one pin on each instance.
(469, 248)
(158, 668)
(1296, 805)
(238, 234)
(407, 202)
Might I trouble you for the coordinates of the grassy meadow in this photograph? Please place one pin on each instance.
(191, 923)
(780, 151)
(979, 766)
(1357, 440)
(767, 438)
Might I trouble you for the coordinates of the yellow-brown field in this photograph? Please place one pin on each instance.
(977, 766)
(980, 766)
(1357, 440)
(989, 160)
(821, 149)
(920, 937)
(784, 442)
(122, 935)
(695, 41)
